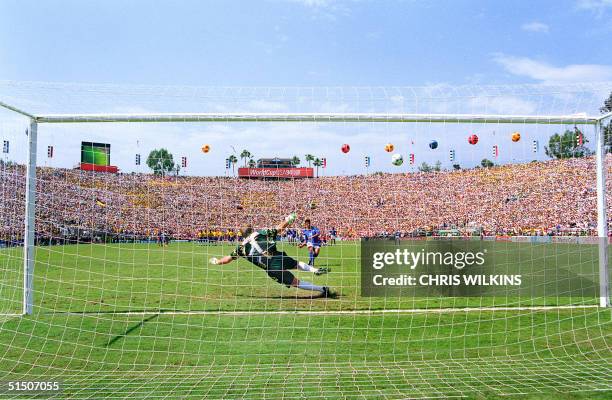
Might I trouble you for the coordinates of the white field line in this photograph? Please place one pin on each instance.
(339, 312)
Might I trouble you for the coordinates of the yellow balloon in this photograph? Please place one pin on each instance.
(205, 148)
(389, 147)
(516, 137)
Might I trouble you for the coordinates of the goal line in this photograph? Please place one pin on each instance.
(335, 312)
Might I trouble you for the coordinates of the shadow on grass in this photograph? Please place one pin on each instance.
(130, 330)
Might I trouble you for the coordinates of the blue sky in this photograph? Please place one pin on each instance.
(300, 43)
(304, 42)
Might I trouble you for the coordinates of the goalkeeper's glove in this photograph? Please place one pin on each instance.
(213, 261)
(289, 219)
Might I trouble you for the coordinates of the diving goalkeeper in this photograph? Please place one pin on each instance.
(259, 248)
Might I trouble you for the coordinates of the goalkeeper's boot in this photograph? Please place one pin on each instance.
(328, 293)
(322, 271)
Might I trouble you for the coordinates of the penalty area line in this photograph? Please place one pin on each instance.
(333, 312)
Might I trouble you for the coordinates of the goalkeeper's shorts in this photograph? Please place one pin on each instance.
(279, 266)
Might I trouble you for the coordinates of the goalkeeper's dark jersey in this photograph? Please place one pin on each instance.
(258, 248)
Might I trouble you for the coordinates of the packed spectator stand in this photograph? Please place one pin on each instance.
(556, 197)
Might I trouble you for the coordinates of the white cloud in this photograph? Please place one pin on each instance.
(535, 26)
(597, 6)
(542, 71)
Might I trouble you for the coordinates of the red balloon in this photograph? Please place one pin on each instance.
(473, 139)
(346, 148)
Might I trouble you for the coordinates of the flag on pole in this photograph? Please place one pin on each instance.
(579, 136)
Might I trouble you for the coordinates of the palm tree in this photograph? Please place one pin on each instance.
(252, 163)
(317, 163)
(295, 161)
(309, 159)
(245, 155)
(233, 160)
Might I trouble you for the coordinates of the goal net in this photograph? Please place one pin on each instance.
(426, 242)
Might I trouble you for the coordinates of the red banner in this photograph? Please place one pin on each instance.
(275, 172)
(99, 168)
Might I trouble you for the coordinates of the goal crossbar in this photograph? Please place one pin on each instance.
(320, 117)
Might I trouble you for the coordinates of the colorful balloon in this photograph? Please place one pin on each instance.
(516, 137)
(346, 148)
(389, 147)
(433, 145)
(205, 148)
(473, 139)
(397, 159)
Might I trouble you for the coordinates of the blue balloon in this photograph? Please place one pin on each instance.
(433, 145)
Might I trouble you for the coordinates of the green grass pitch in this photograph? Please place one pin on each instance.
(137, 320)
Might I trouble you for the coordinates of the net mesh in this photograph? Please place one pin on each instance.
(127, 302)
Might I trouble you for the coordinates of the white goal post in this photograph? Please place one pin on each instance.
(598, 123)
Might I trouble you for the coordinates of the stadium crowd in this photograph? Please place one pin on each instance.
(556, 197)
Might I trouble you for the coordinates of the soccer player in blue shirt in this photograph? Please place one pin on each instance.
(332, 236)
(312, 240)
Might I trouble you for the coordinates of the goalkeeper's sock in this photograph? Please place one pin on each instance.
(302, 266)
(311, 258)
(310, 286)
